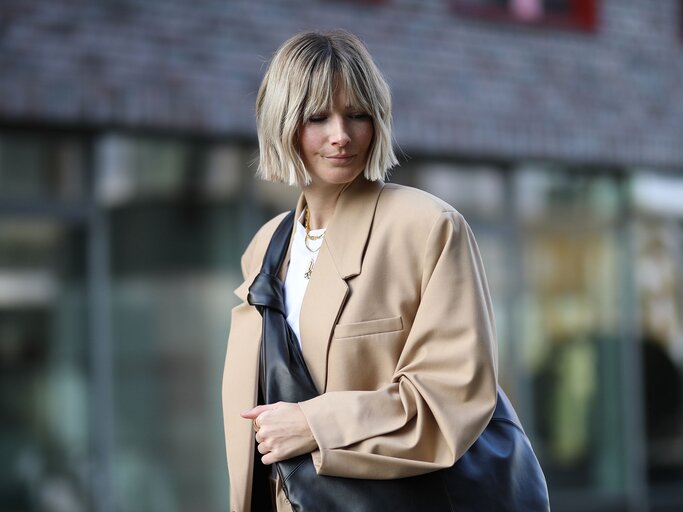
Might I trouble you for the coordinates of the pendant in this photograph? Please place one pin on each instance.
(308, 273)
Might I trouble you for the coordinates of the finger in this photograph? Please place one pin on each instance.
(274, 455)
(263, 448)
(251, 414)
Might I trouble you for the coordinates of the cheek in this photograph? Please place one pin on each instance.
(364, 136)
(309, 141)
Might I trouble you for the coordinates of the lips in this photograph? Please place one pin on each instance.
(339, 158)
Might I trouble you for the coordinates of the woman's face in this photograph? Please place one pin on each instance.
(334, 145)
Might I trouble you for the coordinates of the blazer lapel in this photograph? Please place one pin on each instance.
(340, 258)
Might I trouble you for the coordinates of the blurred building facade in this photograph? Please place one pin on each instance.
(127, 195)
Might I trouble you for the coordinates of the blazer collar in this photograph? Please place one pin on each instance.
(349, 228)
(345, 236)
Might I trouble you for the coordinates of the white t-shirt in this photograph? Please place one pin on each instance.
(299, 262)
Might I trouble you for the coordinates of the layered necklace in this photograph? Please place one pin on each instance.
(307, 226)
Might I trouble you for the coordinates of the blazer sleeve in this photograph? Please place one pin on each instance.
(443, 390)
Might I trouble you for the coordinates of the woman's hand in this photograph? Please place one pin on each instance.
(283, 431)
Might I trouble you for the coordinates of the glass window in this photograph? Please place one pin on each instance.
(41, 167)
(497, 254)
(659, 270)
(44, 394)
(477, 191)
(579, 199)
(571, 329)
(140, 168)
(173, 220)
(174, 211)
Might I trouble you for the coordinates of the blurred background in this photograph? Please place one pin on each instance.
(127, 196)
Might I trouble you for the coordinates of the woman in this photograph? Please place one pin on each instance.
(395, 324)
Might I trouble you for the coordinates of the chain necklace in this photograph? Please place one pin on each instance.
(307, 226)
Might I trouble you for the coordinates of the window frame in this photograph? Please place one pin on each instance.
(583, 15)
(362, 2)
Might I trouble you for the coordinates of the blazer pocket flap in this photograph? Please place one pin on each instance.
(368, 327)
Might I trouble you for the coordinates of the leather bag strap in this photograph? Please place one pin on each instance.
(284, 375)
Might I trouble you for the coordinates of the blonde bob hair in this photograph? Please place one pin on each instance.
(300, 82)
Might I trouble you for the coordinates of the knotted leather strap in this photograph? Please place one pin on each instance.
(284, 376)
(267, 290)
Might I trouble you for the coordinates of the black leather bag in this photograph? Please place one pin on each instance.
(499, 472)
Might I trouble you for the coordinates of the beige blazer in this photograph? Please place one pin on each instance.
(397, 331)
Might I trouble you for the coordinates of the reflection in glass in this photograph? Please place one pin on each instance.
(571, 329)
(660, 286)
(475, 191)
(41, 167)
(175, 248)
(44, 391)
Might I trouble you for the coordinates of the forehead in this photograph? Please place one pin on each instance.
(342, 99)
(334, 91)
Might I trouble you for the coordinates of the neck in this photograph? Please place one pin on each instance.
(321, 203)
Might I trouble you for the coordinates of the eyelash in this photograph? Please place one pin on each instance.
(322, 117)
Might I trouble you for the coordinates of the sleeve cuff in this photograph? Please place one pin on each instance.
(317, 454)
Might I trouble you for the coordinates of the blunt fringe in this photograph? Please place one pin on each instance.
(301, 81)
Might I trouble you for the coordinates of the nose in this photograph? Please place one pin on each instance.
(339, 136)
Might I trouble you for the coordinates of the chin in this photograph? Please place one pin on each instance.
(337, 178)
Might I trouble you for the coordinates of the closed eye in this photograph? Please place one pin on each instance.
(317, 118)
(359, 115)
